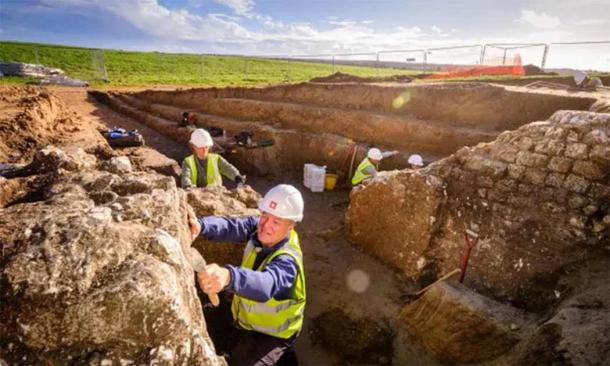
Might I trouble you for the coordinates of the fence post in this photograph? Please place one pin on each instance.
(544, 55)
(425, 59)
(36, 59)
(99, 65)
(202, 68)
(245, 68)
(504, 57)
(377, 64)
(333, 64)
(159, 65)
(483, 55)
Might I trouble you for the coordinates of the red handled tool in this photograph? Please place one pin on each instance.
(471, 238)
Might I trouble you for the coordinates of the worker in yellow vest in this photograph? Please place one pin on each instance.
(203, 168)
(370, 164)
(269, 285)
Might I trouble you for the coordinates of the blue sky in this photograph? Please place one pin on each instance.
(278, 27)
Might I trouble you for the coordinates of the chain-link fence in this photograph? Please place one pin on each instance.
(142, 68)
(81, 63)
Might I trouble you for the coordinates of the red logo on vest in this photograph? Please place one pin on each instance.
(272, 204)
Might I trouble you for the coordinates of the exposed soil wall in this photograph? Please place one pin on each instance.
(538, 197)
(31, 118)
(457, 104)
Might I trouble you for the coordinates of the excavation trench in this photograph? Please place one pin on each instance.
(361, 307)
(334, 125)
(355, 300)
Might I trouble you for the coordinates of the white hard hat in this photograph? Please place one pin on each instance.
(283, 201)
(579, 76)
(201, 138)
(416, 159)
(374, 154)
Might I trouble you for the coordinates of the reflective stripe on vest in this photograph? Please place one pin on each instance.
(213, 176)
(277, 318)
(359, 176)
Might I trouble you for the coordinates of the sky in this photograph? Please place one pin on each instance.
(310, 27)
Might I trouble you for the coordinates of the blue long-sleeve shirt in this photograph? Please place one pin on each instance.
(274, 281)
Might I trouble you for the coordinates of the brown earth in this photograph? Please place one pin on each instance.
(340, 77)
(326, 251)
(354, 299)
(32, 117)
(333, 124)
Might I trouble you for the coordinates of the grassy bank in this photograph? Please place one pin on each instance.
(124, 68)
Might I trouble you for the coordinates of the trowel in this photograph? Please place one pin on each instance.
(198, 264)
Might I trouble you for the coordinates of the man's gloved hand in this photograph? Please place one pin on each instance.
(240, 180)
(214, 279)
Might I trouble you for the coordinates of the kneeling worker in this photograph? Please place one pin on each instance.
(203, 168)
(369, 165)
(269, 286)
(416, 161)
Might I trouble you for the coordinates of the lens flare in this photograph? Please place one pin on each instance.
(401, 100)
(358, 281)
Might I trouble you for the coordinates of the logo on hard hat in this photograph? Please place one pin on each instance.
(273, 205)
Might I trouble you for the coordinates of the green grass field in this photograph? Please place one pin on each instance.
(126, 68)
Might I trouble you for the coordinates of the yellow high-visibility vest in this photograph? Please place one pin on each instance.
(277, 318)
(359, 175)
(213, 176)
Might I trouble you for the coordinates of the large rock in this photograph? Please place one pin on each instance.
(96, 273)
(537, 197)
(459, 326)
(377, 219)
(219, 201)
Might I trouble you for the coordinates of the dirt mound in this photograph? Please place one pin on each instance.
(31, 117)
(535, 70)
(340, 77)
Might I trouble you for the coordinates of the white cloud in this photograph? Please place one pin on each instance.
(220, 31)
(342, 23)
(240, 7)
(591, 22)
(157, 20)
(539, 20)
(435, 29)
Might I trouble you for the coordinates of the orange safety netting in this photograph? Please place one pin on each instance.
(493, 67)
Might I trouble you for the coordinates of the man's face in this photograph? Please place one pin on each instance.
(376, 162)
(272, 229)
(201, 152)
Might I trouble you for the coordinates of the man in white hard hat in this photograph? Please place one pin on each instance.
(269, 285)
(370, 164)
(203, 168)
(584, 81)
(416, 161)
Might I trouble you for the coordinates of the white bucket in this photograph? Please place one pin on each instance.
(307, 175)
(317, 175)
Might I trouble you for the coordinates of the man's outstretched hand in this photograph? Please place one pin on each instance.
(193, 223)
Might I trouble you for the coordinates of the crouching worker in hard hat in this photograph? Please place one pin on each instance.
(269, 285)
(370, 164)
(415, 161)
(203, 168)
